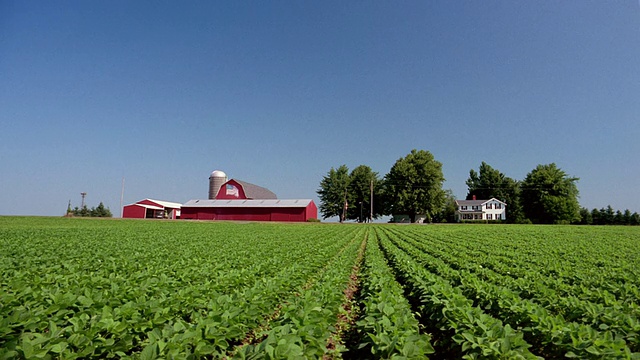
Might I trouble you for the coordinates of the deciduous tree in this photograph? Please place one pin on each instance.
(413, 186)
(550, 196)
(448, 211)
(359, 194)
(332, 192)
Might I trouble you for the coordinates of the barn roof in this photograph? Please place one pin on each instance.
(167, 204)
(263, 203)
(252, 191)
(146, 206)
(162, 203)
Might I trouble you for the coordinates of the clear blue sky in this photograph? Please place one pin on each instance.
(278, 92)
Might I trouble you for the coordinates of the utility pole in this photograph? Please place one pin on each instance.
(345, 207)
(122, 199)
(83, 195)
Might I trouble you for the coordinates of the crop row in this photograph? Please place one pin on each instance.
(620, 318)
(551, 336)
(387, 326)
(307, 320)
(158, 297)
(572, 260)
(466, 331)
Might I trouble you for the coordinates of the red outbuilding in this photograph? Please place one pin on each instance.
(250, 210)
(152, 209)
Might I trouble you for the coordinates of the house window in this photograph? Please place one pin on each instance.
(498, 206)
(489, 217)
(463, 208)
(489, 206)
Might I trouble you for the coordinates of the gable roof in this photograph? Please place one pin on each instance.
(167, 204)
(264, 203)
(252, 191)
(162, 203)
(146, 206)
(477, 202)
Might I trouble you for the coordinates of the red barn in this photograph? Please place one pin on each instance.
(152, 209)
(250, 210)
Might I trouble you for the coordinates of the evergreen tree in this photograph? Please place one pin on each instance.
(607, 215)
(596, 219)
(585, 217)
(618, 218)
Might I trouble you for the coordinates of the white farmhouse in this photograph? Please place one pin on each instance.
(477, 210)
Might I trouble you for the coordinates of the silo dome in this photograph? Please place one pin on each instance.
(216, 180)
(218, 173)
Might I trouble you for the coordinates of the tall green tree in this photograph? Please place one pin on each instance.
(413, 186)
(359, 194)
(550, 196)
(490, 183)
(485, 184)
(449, 207)
(333, 189)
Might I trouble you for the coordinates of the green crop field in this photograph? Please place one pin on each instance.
(96, 288)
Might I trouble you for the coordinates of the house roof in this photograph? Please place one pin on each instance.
(264, 203)
(252, 191)
(477, 202)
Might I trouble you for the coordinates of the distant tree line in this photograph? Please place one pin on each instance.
(99, 211)
(607, 216)
(413, 187)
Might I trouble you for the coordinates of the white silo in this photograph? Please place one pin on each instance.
(216, 179)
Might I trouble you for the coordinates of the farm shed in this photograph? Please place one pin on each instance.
(152, 209)
(250, 210)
